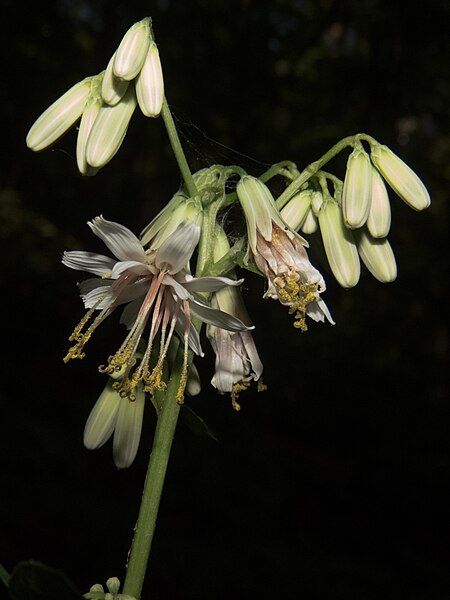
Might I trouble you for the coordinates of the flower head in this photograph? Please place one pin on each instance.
(279, 253)
(159, 296)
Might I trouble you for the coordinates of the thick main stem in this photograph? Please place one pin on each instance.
(165, 428)
(154, 481)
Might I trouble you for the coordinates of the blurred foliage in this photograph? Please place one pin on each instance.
(334, 482)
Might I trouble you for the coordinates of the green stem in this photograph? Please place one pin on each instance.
(178, 149)
(165, 428)
(154, 481)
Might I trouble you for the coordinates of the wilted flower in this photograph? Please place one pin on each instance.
(400, 177)
(339, 245)
(237, 360)
(158, 291)
(357, 188)
(279, 254)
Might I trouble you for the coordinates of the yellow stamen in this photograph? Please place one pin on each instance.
(298, 295)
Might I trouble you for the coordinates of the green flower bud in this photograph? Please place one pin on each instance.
(310, 223)
(400, 177)
(339, 245)
(167, 221)
(133, 48)
(316, 202)
(150, 84)
(109, 129)
(295, 211)
(113, 88)
(59, 117)
(87, 121)
(357, 188)
(377, 255)
(379, 219)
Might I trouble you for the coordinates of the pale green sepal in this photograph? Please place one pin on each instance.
(113, 88)
(379, 219)
(316, 202)
(339, 244)
(357, 189)
(88, 117)
(102, 419)
(295, 211)
(189, 211)
(377, 255)
(59, 117)
(161, 218)
(132, 50)
(310, 223)
(400, 177)
(150, 84)
(109, 130)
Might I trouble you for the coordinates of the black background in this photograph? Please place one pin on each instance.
(334, 482)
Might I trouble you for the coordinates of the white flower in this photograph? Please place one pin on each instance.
(237, 360)
(160, 296)
(280, 255)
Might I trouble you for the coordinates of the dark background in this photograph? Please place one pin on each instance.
(332, 484)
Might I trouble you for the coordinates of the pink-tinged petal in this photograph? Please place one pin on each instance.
(250, 348)
(136, 267)
(88, 261)
(102, 419)
(178, 288)
(133, 291)
(216, 317)
(119, 239)
(176, 251)
(210, 284)
(99, 297)
(193, 339)
(127, 434)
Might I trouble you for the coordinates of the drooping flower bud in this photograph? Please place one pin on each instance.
(316, 202)
(310, 223)
(150, 84)
(357, 188)
(294, 212)
(132, 50)
(379, 219)
(113, 88)
(400, 177)
(377, 255)
(90, 113)
(169, 219)
(339, 245)
(109, 129)
(59, 117)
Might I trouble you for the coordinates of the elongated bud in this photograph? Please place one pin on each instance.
(357, 188)
(339, 245)
(103, 417)
(150, 84)
(87, 121)
(59, 117)
(379, 219)
(109, 130)
(113, 88)
(310, 223)
(294, 212)
(193, 384)
(132, 50)
(377, 255)
(400, 177)
(188, 211)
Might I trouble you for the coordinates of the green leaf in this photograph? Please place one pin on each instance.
(31, 580)
(4, 575)
(196, 424)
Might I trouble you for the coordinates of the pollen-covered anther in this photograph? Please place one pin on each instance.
(238, 387)
(296, 295)
(261, 386)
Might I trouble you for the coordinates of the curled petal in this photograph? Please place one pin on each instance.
(98, 264)
(217, 317)
(210, 284)
(119, 239)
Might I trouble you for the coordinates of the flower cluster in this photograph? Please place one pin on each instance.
(106, 102)
(354, 222)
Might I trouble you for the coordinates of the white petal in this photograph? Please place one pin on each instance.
(101, 295)
(119, 239)
(87, 285)
(178, 288)
(176, 251)
(137, 267)
(88, 261)
(102, 419)
(193, 339)
(128, 429)
(217, 317)
(210, 284)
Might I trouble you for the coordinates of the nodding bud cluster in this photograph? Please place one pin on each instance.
(354, 224)
(106, 102)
